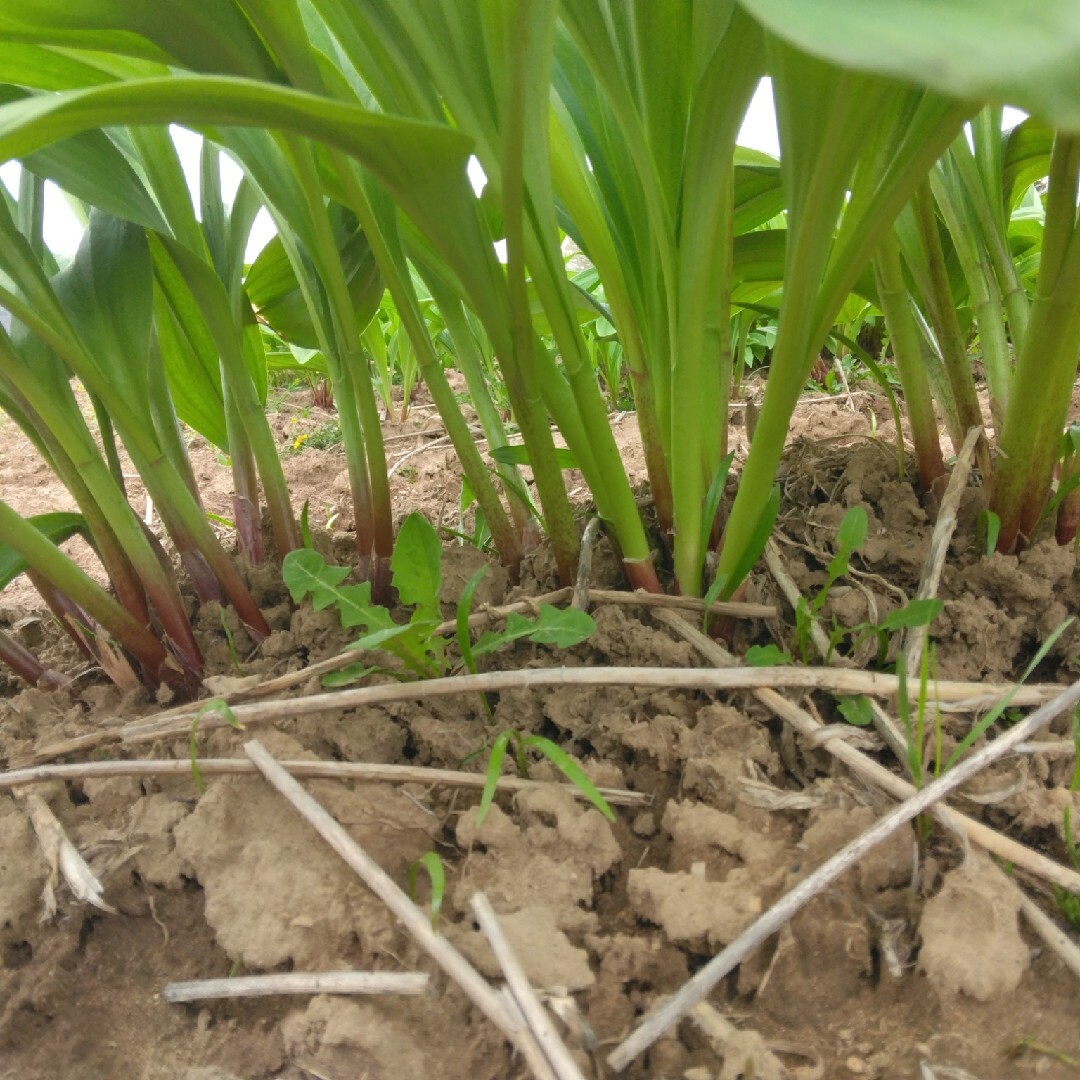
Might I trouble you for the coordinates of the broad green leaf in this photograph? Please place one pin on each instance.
(107, 292)
(1021, 52)
(306, 573)
(55, 527)
(856, 710)
(766, 656)
(850, 536)
(562, 627)
(519, 455)
(276, 295)
(915, 613)
(91, 167)
(417, 564)
(353, 673)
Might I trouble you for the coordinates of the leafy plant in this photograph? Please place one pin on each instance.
(553, 752)
(417, 577)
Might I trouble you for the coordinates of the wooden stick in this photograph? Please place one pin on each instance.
(584, 566)
(1003, 846)
(535, 1014)
(415, 921)
(775, 563)
(939, 544)
(85, 743)
(296, 982)
(672, 1011)
(841, 681)
(326, 770)
(1052, 935)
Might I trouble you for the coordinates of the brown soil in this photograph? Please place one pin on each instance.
(878, 978)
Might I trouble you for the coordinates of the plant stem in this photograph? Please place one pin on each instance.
(907, 349)
(1046, 367)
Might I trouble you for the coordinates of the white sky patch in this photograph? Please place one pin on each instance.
(758, 130)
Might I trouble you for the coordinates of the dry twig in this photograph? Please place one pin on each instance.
(523, 994)
(658, 1021)
(414, 920)
(840, 681)
(939, 543)
(299, 982)
(802, 722)
(323, 770)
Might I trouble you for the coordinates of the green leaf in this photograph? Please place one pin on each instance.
(759, 538)
(992, 716)
(766, 656)
(856, 710)
(492, 774)
(306, 573)
(464, 610)
(56, 527)
(1024, 52)
(915, 613)
(347, 676)
(562, 627)
(571, 770)
(519, 455)
(553, 626)
(850, 536)
(221, 707)
(432, 865)
(417, 564)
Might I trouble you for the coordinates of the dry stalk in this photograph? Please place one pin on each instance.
(412, 918)
(63, 858)
(775, 563)
(802, 722)
(584, 568)
(322, 770)
(839, 681)
(560, 1058)
(297, 982)
(681, 1003)
(939, 544)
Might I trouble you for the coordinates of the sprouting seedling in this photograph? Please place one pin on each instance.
(987, 530)
(995, 713)
(221, 707)
(417, 576)
(432, 865)
(849, 536)
(915, 613)
(1069, 903)
(1074, 784)
(233, 657)
(554, 753)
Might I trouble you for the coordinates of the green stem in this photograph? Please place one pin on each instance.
(907, 349)
(56, 567)
(985, 297)
(1046, 367)
(946, 324)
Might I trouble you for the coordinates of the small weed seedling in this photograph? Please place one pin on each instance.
(849, 537)
(417, 575)
(555, 754)
(215, 705)
(432, 865)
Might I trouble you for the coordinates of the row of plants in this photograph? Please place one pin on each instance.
(612, 123)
